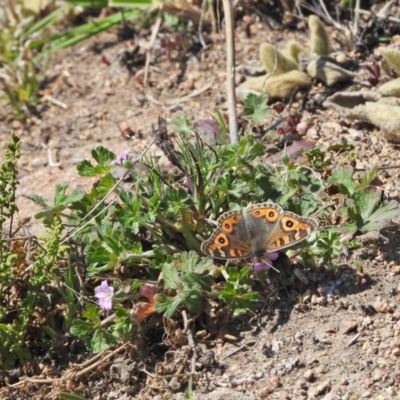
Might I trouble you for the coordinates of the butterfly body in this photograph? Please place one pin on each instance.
(255, 230)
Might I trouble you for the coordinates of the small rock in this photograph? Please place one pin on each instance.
(365, 395)
(356, 134)
(314, 299)
(283, 395)
(298, 337)
(384, 308)
(332, 396)
(396, 352)
(368, 382)
(344, 382)
(274, 381)
(330, 329)
(306, 296)
(300, 385)
(312, 134)
(377, 375)
(366, 345)
(343, 303)
(321, 301)
(322, 388)
(367, 321)
(321, 370)
(340, 57)
(309, 375)
(348, 326)
(396, 315)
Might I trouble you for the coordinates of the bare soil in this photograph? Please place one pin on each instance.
(341, 341)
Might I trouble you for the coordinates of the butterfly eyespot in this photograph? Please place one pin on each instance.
(221, 240)
(227, 226)
(289, 223)
(271, 214)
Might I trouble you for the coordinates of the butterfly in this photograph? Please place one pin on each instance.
(256, 230)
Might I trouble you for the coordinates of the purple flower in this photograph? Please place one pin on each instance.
(265, 262)
(104, 293)
(122, 157)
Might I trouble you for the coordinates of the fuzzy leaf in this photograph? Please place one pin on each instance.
(193, 300)
(342, 177)
(103, 156)
(366, 178)
(167, 305)
(101, 340)
(81, 329)
(171, 277)
(255, 108)
(377, 220)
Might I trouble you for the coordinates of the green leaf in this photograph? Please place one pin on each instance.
(342, 177)
(85, 168)
(255, 108)
(92, 313)
(192, 300)
(366, 178)
(105, 185)
(103, 156)
(183, 125)
(378, 219)
(171, 277)
(167, 305)
(39, 200)
(81, 329)
(366, 201)
(239, 303)
(101, 341)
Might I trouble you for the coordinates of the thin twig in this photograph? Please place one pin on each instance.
(188, 329)
(200, 27)
(230, 68)
(54, 101)
(100, 357)
(154, 33)
(235, 351)
(171, 104)
(51, 162)
(356, 18)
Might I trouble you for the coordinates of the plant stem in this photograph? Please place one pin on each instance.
(230, 68)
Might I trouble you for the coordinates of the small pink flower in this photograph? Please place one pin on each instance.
(104, 293)
(122, 157)
(265, 262)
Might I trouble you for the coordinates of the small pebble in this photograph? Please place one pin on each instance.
(309, 375)
(348, 326)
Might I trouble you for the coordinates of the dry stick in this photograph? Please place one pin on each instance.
(187, 328)
(337, 25)
(356, 18)
(203, 11)
(154, 32)
(176, 102)
(230, 68)
(75, 375)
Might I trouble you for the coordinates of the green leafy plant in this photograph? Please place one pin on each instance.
(237, 291)
(363, 207)
(255, 108)
(153, 227)
(91, 331)
(185, 281)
